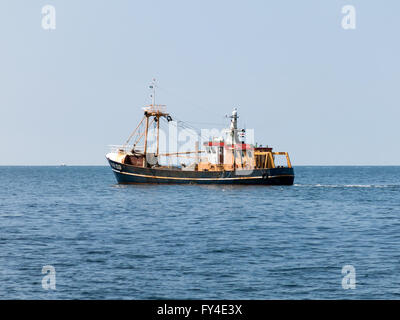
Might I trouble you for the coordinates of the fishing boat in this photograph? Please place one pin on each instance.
(224, 159)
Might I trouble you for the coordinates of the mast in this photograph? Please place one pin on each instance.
(233, 152)
(158, 134)
(145, 133)
(156, 111)
(234, 118)
(153, 86)
(153, 100)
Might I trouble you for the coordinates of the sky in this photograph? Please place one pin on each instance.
(306, 85)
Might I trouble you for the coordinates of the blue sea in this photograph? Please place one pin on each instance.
(109, 241)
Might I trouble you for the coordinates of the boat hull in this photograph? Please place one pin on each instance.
(129, 174)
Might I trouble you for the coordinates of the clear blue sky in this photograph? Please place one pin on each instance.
(327, 95)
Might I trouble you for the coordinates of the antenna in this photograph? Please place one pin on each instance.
(153, 95)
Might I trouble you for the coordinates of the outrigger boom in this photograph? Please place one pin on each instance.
(228, 160)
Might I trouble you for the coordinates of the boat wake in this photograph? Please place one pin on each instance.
(349, 185)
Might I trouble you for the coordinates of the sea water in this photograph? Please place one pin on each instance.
(110, 241)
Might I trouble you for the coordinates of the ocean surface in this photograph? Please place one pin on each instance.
(108, 241)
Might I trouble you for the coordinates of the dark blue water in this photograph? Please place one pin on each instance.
(107, 241)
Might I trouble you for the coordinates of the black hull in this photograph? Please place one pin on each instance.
(128, 174)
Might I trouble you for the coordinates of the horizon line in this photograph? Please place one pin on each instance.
(106, 165)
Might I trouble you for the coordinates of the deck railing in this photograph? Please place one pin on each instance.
(158, 108)
(124, 148)
(269, 157)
